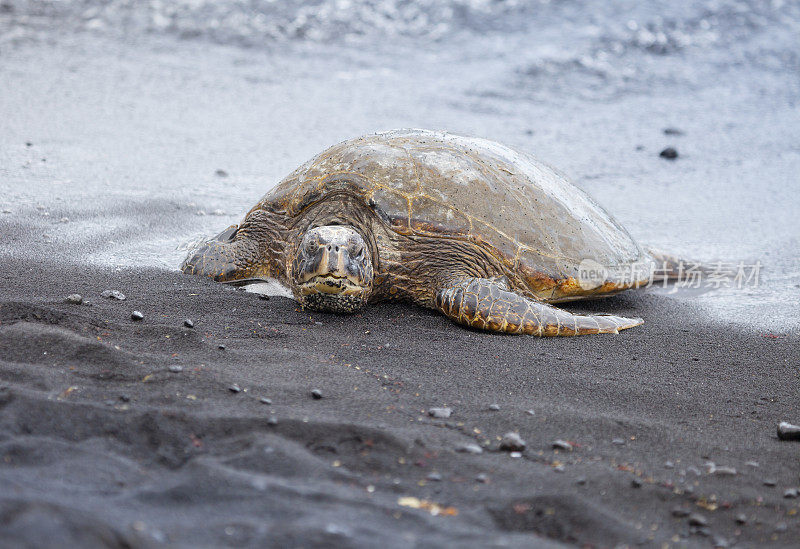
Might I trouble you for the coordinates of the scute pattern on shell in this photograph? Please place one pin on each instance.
(436, 184)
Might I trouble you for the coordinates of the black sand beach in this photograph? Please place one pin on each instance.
(117, 432)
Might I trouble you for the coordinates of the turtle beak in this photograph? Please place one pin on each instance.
(332, 270)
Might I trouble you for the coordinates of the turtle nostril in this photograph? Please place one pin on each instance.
(337, 249)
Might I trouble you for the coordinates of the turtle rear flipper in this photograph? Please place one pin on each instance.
(482, 303)
(220, 258)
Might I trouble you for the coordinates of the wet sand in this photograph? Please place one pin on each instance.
(124, 433)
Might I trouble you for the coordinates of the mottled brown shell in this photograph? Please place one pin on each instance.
(440, 185)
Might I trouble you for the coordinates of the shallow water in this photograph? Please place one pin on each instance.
(134, 108)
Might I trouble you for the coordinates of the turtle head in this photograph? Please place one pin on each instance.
(332, 270)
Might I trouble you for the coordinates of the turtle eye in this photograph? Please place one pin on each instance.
(311, 247)
(356, 252)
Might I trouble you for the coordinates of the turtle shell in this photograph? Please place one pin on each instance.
(441, 185)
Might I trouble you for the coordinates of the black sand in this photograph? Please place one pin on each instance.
(103, 445)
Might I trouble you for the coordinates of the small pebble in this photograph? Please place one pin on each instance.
(515, 455)
(787, 431)
(494, 407)
(434, 476)
(124, 398)
(741, 518)
(272, 421)
(235, 388)
(669, 153)
(188, 323)
(752, 463)
(74, 299)
(636, 483)
(580, 481)
(531, 412)
(28, 144)
(469, 449)
(221, 173)
(618, 441)
(175, 369)
(221, 347)
(512, 442)
(723, 471)
(562, 445)
(440, 413)
(265, 297)
(316, 394)
(791, 493)
(781, 527)
(482, 478)
(770, 482)
(672, 131)
(113, 294)
(680, 512)
(264, 400)
(696, 519)
(137, 315)
(559, 468)
(693, 470)
(669, 465)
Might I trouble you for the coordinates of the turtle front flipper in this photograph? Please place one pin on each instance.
(484, 304)
(223, 258)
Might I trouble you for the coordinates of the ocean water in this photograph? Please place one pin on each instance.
(136, 105)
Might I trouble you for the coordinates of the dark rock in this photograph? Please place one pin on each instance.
(113, 294)
(235, 388)
(673, 131)
(580, 481)
(696, 519)
(221, 347)
(175, 369)
(562, 445)
(787, 431)
(265, 297)
(741, 518)
(494, 407)
(188, 323)
(137, 315)
(669, 153)
(124, 398)
(512, 442)
(636, 483)
(680, 512)
(74, 299)
(221, 173)
(440, 413)
(791, 493)
(316, 394)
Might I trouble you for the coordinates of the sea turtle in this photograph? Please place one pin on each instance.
(486, 235)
